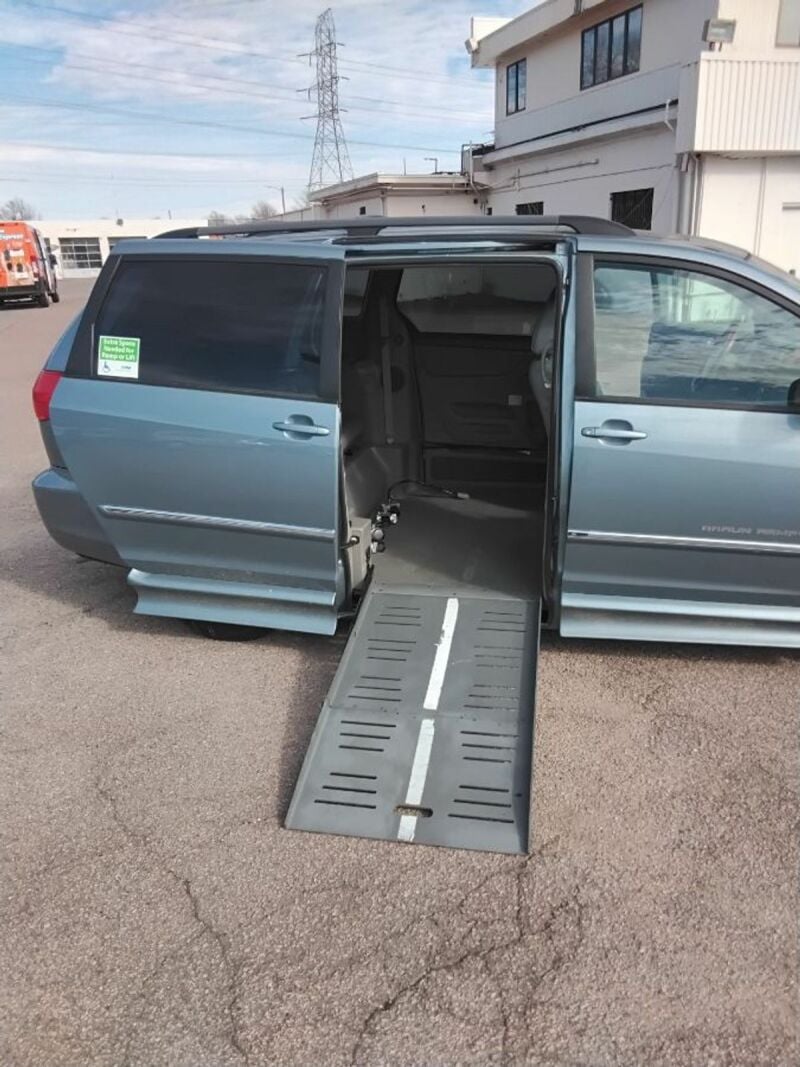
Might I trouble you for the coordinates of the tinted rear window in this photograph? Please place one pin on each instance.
(220, 325)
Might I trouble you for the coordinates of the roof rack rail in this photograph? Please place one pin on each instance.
(371, 227)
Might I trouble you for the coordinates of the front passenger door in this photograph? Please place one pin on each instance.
(684, 516)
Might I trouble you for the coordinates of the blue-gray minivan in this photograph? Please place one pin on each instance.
(263, 424)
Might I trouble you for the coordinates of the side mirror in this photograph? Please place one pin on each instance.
(793, 396)
(53, 260)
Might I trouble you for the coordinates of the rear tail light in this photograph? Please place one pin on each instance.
(43, 389)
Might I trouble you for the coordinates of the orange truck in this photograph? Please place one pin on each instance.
(26, 267)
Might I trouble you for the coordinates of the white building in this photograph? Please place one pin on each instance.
(622, 110)
(392, 195)
(82, 246)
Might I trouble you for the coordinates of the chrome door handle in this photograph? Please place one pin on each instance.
(302, 429)
(614, 433)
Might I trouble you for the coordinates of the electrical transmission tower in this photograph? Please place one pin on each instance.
(331, 160)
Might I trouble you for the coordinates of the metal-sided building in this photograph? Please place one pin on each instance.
(671, 115)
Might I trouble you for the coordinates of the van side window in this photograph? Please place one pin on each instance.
(221, 325)
(677, 336)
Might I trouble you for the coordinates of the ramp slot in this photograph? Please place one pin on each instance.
(484, 733)
(381, 700)
(354, 789)
(476, 818)
(379, 725)
(485, 759)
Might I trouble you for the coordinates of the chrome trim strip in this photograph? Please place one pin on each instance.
(214, 522)
(603, 605)
(713, 544)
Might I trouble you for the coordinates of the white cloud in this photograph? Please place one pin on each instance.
(236, 62)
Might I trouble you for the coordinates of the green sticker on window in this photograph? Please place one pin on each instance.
(118, 357)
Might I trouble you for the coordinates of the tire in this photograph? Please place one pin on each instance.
(225, 631)
(43, 300)
(55, 296)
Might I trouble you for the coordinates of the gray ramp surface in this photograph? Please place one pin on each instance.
(426, 733)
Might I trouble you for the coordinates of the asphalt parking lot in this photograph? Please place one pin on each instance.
(155, 912)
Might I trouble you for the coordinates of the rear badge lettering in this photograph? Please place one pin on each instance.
(118, 357)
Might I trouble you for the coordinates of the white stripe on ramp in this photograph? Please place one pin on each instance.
(422, 754)
(416, 783)
(436, 680)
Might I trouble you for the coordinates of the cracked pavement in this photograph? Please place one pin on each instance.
(154, 912)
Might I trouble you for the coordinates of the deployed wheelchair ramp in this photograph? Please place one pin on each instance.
(426, 733)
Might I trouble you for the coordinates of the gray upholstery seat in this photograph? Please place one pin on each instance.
(540, 372)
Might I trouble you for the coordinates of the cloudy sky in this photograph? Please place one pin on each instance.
(142, 107)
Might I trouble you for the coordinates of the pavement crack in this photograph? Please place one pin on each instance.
(143, 991)
(436, 968)
(207, 927)
(136, 837)
(232, 1004)
(505, 1016)
(550, 930)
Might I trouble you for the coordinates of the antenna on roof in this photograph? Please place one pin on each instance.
(331, 160)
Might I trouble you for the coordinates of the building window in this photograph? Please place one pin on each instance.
(634, 208)
(362, 210)
(789, 23)
(535, 207)
(80, 253)
(516, 86)
(611, 49)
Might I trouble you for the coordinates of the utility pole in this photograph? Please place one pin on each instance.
(330, 162)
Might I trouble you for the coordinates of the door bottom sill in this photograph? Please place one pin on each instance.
(694, 622)
(241, 603)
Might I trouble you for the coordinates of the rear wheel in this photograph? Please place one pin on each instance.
(55, 296)
(43, 300)
(226, 631)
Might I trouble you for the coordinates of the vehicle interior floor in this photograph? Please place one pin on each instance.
(462, 547)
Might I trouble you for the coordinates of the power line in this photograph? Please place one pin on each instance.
(195, 41)
(121, 155)
(115, 64)
(84, 179)
(204, 123)
(330, 161)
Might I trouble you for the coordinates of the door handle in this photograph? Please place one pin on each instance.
(301, 429)
(613, 433)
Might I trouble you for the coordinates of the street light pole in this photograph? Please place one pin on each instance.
(282, 191)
